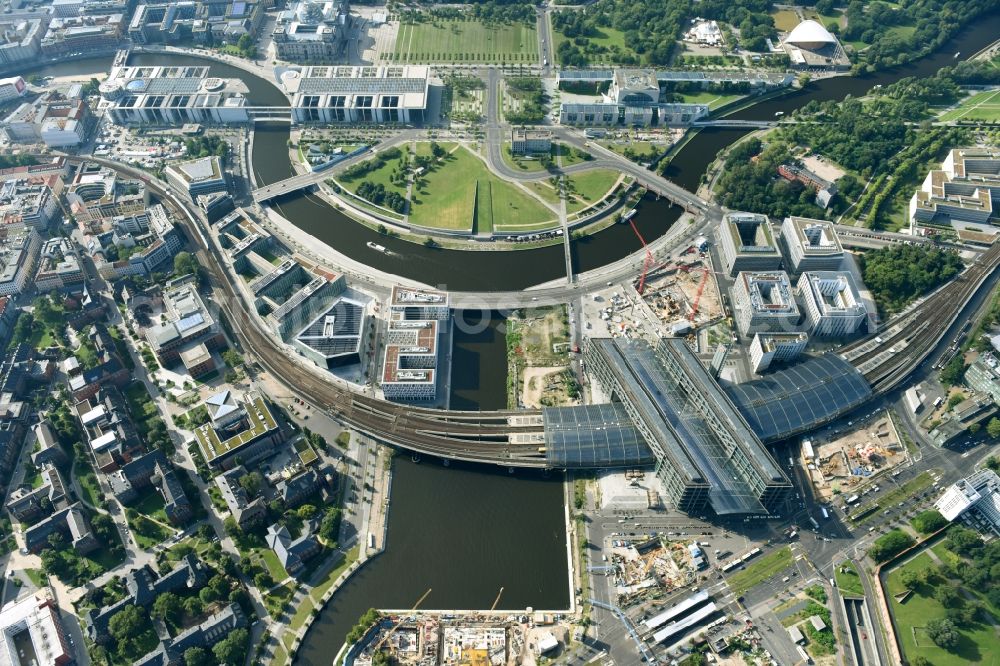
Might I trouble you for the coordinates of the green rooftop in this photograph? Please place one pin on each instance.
(259, 420)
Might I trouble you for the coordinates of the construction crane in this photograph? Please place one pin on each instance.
(497, 600)
(399, 624)
(646, 262)
(697, 296)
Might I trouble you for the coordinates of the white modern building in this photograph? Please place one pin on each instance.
(161, 96)
(56, 121)
(530, 141)
(747, 243)
(966, 190)
(383, 94)
(200, 176)
(975, 499)
(763, 302)
(812, 245)
(832, 303)
(767, 348)
(811, 46)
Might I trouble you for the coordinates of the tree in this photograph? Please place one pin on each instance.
(168, 607)
(232, 358)
(943, 633)
(231, 651)
(193, 607)
(196, 656)
(952, 373)
(929, 521)
(252, 483)
(889, 545)
(909, 579)
(949, 597)
(963, 541)
(184, 264)
(993, 427)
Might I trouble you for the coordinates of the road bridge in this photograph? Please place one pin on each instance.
(735, 124)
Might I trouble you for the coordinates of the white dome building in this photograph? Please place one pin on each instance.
(810, 35)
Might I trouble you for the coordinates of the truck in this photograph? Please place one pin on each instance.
(826, 514)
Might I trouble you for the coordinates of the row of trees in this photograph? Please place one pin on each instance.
(380, 196)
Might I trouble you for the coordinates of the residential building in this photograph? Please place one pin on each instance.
(150, 239)
(812, 245)
(71, 523)
(49, 451)
(764, 302)
(142, 587)
(525, 141)
(204, 635)
(747, 243)
(199, 176)
(245, 511)
(108, 428)
(312, 31)
(107, 369)
(832, 303)
(295, 489)
(366, 94)
(252, 437)
(27, 504)
(188, 322)
(97, 195)
(33, 626)
(965, 190)
(292, 553)
(18, 258)
(59, 267)
(152, 470)
(766, 348)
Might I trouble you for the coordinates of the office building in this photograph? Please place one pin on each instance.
(85, 34)
(171, 96)
(251, 437)
(71, 523)
(832, 303)
(530, 141)
(152, 471)
(199, 176)
(812, 245)
(198, 21)
(32, 632)
(12, 88)
(20, 39)
(18, 259)
(187, 322)
(976, 500)
(747, 243)
(966, 190)
(608, 114)
(52, 119)
(706, 454)
(409, 369)
(149, 239)
(32, 202)
(337, 336)
(365, 94)
(59, 267)
(764, 302)
(767, 348)
(313, 31)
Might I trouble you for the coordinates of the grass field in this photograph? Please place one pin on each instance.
(849, 581)
(759, 571)
(447, 198)
(978, 644)
(466, 41)
(602, 47)
(894, 496)
(785, 19)
(380, 176)
(590, 186)
(824, 19)
(981, 106)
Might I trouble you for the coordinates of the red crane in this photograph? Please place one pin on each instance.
(697, 297)
(646, 262)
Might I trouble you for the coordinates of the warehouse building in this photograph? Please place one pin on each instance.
(747, 243)
(764, 302)
(832, 303)
(812, 245)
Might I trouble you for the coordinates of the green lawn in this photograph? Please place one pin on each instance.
(447, 199)
(785, 19)
(603, 45)
(760, 570)
(271, 563)
(824, 19)
(645, 149)
(981, 106)
(438, 40)
(895, 496)
(88, 482)
(525, 164)
(978, 644)
(590, 187)
(151, 504)
(381, 176)
(148, 533)
(275, 600)
(36, 576)
(849, 581)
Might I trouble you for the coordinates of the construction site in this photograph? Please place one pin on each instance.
(840, 466)
(538, 351)
(460, 639)
(647, 570)
(683, 295)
